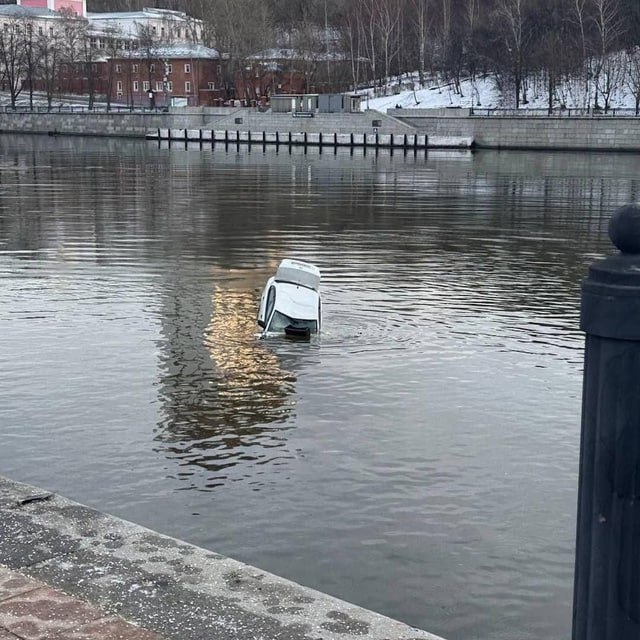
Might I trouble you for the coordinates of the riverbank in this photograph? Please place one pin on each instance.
(440, 127)
(109, 567)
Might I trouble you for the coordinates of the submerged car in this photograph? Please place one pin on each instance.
(290, 302)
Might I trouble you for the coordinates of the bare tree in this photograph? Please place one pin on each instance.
(609, 30)
(351, 42)
(612, 77)
(240, 38)
(580, 17)
(50, 55)
(29, 57)
(369, 35)
(13, 61)
(112, 51)
(515, 35)
(89, 60)
(388, 22)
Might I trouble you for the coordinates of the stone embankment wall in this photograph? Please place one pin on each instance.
(135, 124)
(117, 124)
(597, 133)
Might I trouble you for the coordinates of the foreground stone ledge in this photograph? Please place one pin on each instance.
(165, 585)
(29, 610)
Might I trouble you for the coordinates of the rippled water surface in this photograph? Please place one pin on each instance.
(418, 458)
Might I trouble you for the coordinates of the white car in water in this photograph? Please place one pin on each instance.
(290, 302)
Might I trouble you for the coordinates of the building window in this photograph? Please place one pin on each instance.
(40, 31)
(187, 87)
(179, 32)
(119, 86)
(94, 68)
(154, 29)
(212, 86)
(152, 68)
(162, 32)
(51, 32)
(159, 86)
(170, 85)
(145, 85)
(136, 86)
(102, 44)
(118, 68)
(134, 68)
(187, 68)
(169, 68)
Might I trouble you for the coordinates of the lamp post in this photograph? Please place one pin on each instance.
(607, 573)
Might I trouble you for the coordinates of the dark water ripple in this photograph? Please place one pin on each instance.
(419, 457)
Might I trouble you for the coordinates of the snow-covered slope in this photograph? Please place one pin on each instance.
(483, 93)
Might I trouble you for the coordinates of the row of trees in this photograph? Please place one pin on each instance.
(521, 42)
(32, 52)
(65, 54)
(528, 45)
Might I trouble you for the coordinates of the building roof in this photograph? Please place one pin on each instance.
(137, 15)
(18, 11)
(274, 55)
(183, 50)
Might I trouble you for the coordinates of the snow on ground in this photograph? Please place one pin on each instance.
(483, 93)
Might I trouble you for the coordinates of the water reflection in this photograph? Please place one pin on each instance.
(226, 396)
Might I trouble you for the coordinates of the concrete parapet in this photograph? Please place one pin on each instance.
(503, 132)
(165, 585)
(521, 132)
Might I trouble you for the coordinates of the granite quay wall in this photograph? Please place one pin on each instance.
(597, 133)
(165, 585)
(117, 124)
(138, 124)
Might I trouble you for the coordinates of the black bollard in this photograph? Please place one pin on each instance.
(606, 601)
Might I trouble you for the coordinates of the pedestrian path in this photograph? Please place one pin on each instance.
(31, 610)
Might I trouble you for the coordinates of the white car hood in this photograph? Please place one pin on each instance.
(297, 302)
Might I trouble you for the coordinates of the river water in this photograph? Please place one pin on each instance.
(418, 458)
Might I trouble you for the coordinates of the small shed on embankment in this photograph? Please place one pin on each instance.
(316, 103)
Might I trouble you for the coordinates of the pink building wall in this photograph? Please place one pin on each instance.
(75, 5)
(33, 3)
(78, 6)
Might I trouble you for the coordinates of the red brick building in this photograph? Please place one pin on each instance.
(183, 74)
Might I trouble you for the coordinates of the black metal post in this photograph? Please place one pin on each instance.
(606, 602)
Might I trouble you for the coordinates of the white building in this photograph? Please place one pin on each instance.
(161, 25)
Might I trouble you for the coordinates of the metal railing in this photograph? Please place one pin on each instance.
(617, 112)
(80, 109)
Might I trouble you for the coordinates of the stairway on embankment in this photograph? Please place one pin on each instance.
(325, 123)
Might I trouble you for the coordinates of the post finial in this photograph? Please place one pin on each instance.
(624, 229)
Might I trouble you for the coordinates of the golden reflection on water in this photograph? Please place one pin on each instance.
(246, 367)
(227, 410)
